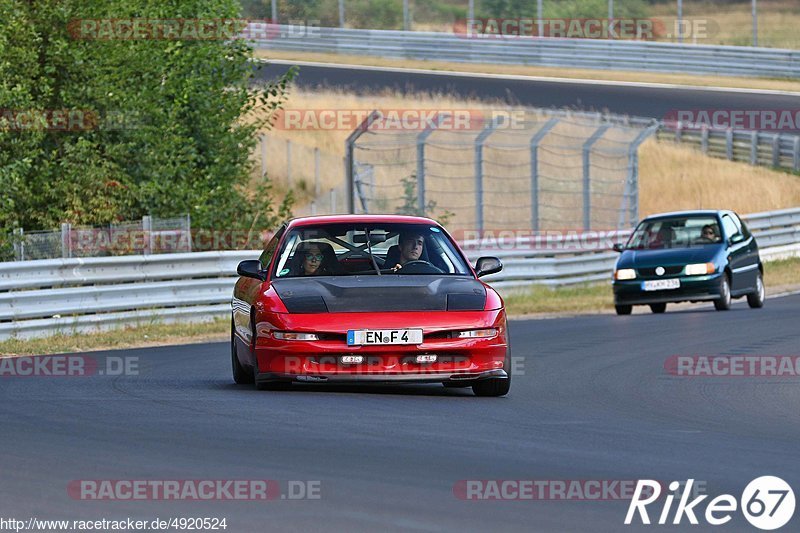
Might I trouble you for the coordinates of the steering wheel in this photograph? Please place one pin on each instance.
(419, 266)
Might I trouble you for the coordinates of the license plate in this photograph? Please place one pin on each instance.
(661, 284)
(383, 336)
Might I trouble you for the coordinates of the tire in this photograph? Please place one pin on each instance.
(241, 375)
(623, 309)
(658, 308)
(273, 385)
(756, 299)
(723, 303)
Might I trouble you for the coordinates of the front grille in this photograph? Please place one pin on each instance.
(668, 271)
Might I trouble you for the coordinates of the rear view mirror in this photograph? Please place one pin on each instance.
(488, 265)
(251, 268)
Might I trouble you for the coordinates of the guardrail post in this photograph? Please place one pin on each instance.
(479, 142)
(587, 190)
(754, 148)
(349, 161)
(796, 154)
(704, 138)
(776, 150)
(147, 229)
(66, 239)
(535, 142)
(422, 138)
(729, 144)
(678, 131)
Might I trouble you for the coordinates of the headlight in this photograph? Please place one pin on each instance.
(293, 336)
(478, 333)
(625, 273)
(700, 269)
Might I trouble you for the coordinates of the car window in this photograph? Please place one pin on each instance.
(675, 232)
(729, 226)
(342, 249)
(269, 250)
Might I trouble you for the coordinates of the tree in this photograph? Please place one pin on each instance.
(154, 126)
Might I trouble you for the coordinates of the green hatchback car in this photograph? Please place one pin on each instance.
(688, 256)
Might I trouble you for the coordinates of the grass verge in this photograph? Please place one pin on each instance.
(127, 337)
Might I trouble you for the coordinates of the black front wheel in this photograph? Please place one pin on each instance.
(723, 303)
(623, 309)
(756, 298)
(241, 375)
(658, 308)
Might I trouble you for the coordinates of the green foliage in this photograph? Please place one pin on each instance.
(177, 143)
(411, 204)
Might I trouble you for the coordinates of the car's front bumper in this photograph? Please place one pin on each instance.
(692, 288)
(425, 377)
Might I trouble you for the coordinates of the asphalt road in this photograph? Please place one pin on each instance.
(614, 97)
(591, 401)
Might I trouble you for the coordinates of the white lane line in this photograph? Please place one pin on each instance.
(575, 81)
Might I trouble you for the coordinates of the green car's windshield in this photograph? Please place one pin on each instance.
(675, 232)
(368, 249)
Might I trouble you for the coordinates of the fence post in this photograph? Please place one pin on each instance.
(189, 231)
(313, 207)
(587, 191)
(66, 239)
(704, 139)
(753, 148)
(341, 13)
(274, 11)
(536, 139)
(333, 201)
(289, 163)
(147, 229)
(776, 150)
(263, 155)
(19, 245)
(349, 159)
(632, 182)
(796, 153)
(479, 141)
(422, 138)
(316, 172)
(729, 144)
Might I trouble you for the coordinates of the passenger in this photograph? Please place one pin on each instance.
(311, 260)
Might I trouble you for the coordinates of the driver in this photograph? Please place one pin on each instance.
(707, 235)
(410, 248)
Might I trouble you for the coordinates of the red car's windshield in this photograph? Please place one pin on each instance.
(346, 249)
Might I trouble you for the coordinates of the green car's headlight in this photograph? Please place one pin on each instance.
(699, 269)
(625, 273)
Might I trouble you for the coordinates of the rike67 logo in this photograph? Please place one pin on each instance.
(767, 503)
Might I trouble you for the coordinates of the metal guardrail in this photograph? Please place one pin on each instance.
(85, 294)
(538, 51)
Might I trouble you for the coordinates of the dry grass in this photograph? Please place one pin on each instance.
(731, 23)
(678, 177)
(671, 176)
(547, 72)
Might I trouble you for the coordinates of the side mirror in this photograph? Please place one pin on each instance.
(251, 268)
(737, 238)
(618, 247)
(488, 265)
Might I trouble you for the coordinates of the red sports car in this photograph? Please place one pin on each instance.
(368, 298)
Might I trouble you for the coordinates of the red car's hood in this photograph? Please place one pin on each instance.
(388, 293)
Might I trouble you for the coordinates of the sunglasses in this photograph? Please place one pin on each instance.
(311, 257)
(708, 232)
